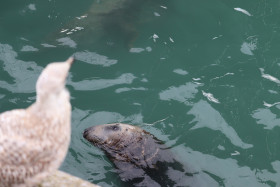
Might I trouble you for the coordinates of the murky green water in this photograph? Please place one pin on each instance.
(203, 76)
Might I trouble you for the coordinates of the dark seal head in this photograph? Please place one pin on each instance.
(141, 159)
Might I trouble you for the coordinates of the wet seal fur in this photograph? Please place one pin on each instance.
(140, 158)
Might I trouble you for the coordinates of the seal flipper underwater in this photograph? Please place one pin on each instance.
(140, 158)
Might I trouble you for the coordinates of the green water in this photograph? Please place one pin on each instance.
(203, 76)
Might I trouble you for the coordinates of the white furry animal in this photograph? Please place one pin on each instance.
(34, 141)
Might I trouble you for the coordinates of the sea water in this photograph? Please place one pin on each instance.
(203, 76)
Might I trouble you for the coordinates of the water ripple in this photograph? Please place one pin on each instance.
(24, 74)
(120, 90)
(181, 93)
(265, 117)
(269, 77)
(28, 48)
(99, 84)
(207, 116)
(220, 168)
(210, 97)
(94, 58)
(67, 41)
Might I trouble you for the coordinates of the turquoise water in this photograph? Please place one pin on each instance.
(203, 76)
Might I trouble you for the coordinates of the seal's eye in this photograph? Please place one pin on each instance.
(114, 128)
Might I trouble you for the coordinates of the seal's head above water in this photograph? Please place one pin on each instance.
(123, 142)
(112, 135)
(136, 153)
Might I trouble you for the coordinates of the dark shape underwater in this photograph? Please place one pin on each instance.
(108, 23)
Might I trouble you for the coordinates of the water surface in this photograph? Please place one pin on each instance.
(202, 76)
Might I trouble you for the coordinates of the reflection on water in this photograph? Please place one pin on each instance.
(66, 41)
(265, 117)
(23, 75)
(28, 48)
(98, 84)
(120, 90)
(94, 58)
(227, 172)
(206, 116)
(182, 93)
(180, 71)
(269, 77)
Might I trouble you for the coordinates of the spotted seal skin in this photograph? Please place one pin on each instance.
(140, 158)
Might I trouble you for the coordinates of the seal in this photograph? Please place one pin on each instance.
(107, 22)
(140, 158)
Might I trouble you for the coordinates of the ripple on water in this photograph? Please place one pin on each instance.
(265, 117)
(94, 58)
(28, 48)
(67, 41)
(32, 7)
(182, 93)
(98, 84)
(23, 74)
(2, 96)
(207, 117)
(120, 90)
(180, 71)
(227, 170)
(269, 77)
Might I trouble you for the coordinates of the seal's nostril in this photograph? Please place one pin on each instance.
(85, 133)
(88, 131)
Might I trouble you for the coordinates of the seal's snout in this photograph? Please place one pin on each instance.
(87, 132)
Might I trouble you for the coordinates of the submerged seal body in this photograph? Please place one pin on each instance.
(141, 159)
(107, 23)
